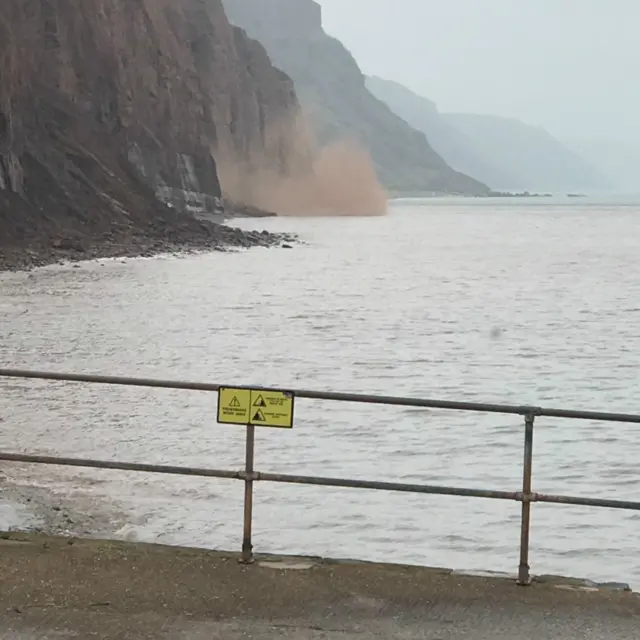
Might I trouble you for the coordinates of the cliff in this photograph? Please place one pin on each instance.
(332, 89)
(506, 153)
(108, 108)
(536, 160)
(457, 149)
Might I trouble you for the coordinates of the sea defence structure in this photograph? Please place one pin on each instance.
(110, 589)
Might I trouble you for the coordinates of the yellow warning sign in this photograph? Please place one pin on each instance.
(234, 405)
(255, 407)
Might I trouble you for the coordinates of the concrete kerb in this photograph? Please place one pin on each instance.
(281, 562)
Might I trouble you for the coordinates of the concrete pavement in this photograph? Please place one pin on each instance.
(62, 588)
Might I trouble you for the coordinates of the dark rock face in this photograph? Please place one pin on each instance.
(111, 108)
(333, 92)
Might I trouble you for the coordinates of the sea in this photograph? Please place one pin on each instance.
(532, 301)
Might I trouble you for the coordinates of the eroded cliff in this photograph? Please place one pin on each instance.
(332, 89)
(109, 106)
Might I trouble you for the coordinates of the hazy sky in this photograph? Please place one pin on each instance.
(572, 66)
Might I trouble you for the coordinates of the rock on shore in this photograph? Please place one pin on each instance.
(191, 236)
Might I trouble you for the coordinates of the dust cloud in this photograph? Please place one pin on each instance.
(338, 179)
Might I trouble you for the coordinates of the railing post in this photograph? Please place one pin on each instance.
(524, 576)
(247, 547)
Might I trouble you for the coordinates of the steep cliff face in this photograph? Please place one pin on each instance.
(507, 154)
(107, 106)
(333, 92)
(458, 150)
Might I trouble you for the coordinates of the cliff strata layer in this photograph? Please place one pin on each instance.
(111, 108)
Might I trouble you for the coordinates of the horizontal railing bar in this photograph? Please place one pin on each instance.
(121, 466)
(586, 502)
(388, 486)
(518, 496)
(603, 416)
(331, 396)
(320, 481)
(115, 380)
(266, 477)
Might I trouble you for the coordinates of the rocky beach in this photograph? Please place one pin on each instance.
(185, 236)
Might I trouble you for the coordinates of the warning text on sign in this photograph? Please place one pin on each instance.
(255, 407)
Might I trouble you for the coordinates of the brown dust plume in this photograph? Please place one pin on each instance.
(338, 179)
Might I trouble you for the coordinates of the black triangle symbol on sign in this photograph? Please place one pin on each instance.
(259, 402)
(259, 417)
(234, 402)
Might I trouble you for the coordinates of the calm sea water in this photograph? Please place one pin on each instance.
(483, 301)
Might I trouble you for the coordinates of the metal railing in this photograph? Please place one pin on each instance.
(249, 475)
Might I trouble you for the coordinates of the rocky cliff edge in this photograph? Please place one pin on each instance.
(108, 108)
